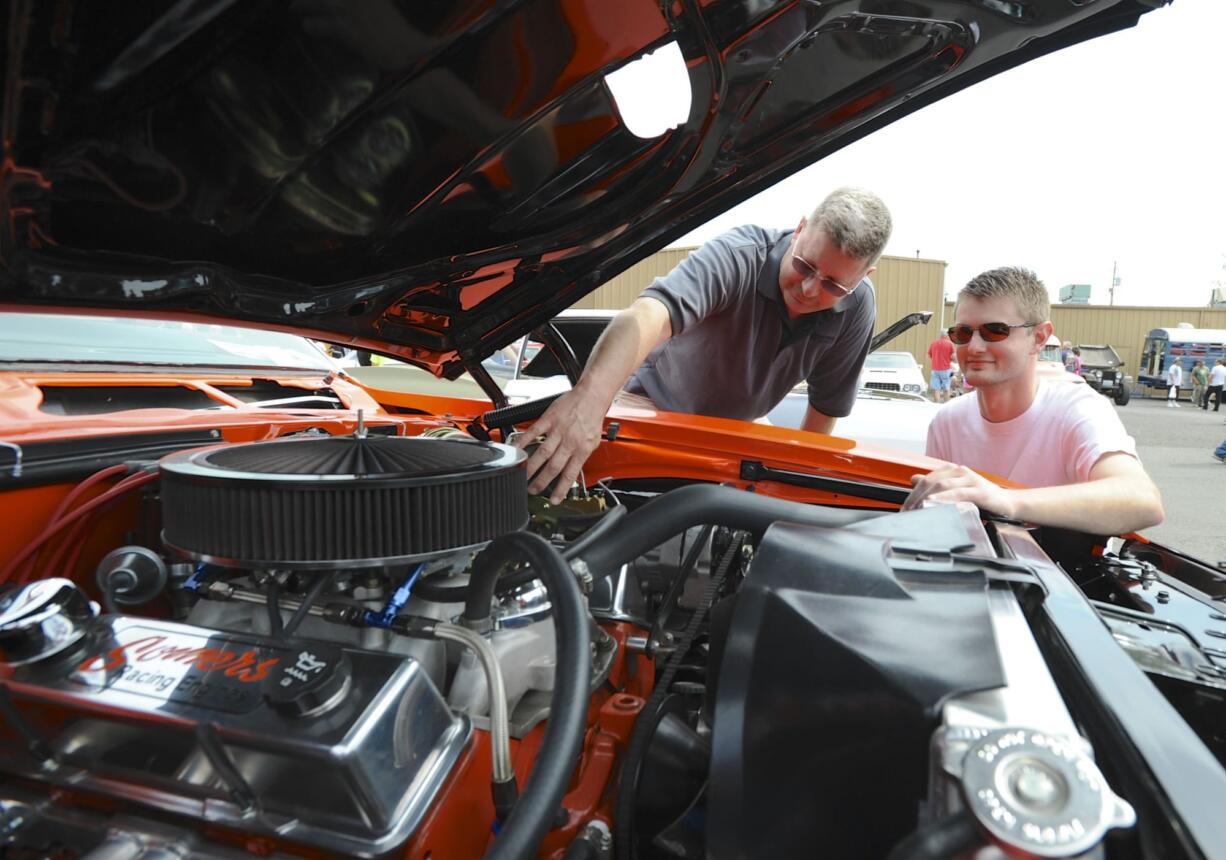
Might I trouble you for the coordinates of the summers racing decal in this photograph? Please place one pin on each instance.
(182, 666)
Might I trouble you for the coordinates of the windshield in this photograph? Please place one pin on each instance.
(54, 338)
(1051, 352)
(890, 359)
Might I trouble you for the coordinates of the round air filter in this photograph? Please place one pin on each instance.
(342, 501)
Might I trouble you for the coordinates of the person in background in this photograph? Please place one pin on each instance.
(957, 385)
(1217, 380)
(1066, 350)
(1220, 453)
(1200, 382)
(941, 353)
(1174, 379)
(1065, 443)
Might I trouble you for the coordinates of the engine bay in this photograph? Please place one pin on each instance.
(380, 645)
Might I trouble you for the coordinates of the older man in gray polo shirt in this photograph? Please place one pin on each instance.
(731, 330)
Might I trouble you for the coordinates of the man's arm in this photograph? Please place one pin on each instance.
(572, 424)
(1118, 498)
(817, 422)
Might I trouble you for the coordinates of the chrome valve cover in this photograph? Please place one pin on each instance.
(335, 747)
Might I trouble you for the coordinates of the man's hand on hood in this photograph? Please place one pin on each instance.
(569, 432)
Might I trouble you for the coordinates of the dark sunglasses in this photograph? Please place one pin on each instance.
(992, 332)
(806, 270)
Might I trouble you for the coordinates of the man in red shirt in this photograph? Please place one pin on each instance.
(940, 353)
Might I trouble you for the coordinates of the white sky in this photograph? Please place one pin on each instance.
(1112, 150)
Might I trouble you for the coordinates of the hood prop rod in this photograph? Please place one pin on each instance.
(478, 372)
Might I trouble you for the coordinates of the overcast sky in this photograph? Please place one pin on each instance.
(1112, 150)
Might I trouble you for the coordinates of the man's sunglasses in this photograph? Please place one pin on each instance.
(992, 332)
(807, 271)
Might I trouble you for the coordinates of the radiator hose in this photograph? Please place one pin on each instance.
(538, 804)
(671, 513)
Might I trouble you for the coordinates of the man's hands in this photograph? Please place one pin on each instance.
(950, 483)
(571, 426)
(1118, 497)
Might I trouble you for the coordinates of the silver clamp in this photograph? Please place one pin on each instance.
(583, 574)
(16, 465)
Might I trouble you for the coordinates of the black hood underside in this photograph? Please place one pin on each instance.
(432, 178)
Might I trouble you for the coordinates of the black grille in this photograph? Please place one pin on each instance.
(341, 501)
(883, 386)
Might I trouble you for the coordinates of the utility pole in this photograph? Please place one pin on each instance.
(1113, 282)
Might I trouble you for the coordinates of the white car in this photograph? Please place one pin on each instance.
(893, 371)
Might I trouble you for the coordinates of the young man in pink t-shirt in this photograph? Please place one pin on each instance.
(1063, 441)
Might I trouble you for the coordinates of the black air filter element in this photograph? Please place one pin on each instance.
(341, 501)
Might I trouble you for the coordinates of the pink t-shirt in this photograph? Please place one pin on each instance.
(1066, 430)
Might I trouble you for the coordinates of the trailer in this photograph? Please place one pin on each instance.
(1184, 345)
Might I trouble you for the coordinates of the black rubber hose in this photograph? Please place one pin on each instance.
(273, 602)
(595, 532)
(459, 593)
(308, 599)
(483, 581)
(519, 413)
(538, 804)
(427, 590)
(673, 512)
(940, 840)
(581, 849)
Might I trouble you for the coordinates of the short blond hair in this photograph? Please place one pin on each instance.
(857, 220)
(1011, 282)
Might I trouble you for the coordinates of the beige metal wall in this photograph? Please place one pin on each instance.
(1123, 326)
(904, 285)
(907, 284)
(625, 288)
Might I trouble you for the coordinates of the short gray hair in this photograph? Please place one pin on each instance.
(1012, 282)
(857, 220)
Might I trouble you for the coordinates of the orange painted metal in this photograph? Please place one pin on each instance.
(647, 445)
(23, 420)
(700, 448)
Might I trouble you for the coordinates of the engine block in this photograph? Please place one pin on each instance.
(321, 744)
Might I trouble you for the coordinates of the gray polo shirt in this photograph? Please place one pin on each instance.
(734, 353)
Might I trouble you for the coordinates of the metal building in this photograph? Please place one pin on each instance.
(907, 284)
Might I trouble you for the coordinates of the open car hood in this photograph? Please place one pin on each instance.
(432, 180)
(1099, 356)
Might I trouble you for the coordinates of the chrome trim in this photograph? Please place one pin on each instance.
(17, 454)
(41, 620)
(358, 780)
(500, 732)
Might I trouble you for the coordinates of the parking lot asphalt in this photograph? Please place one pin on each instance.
(1176, 446)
